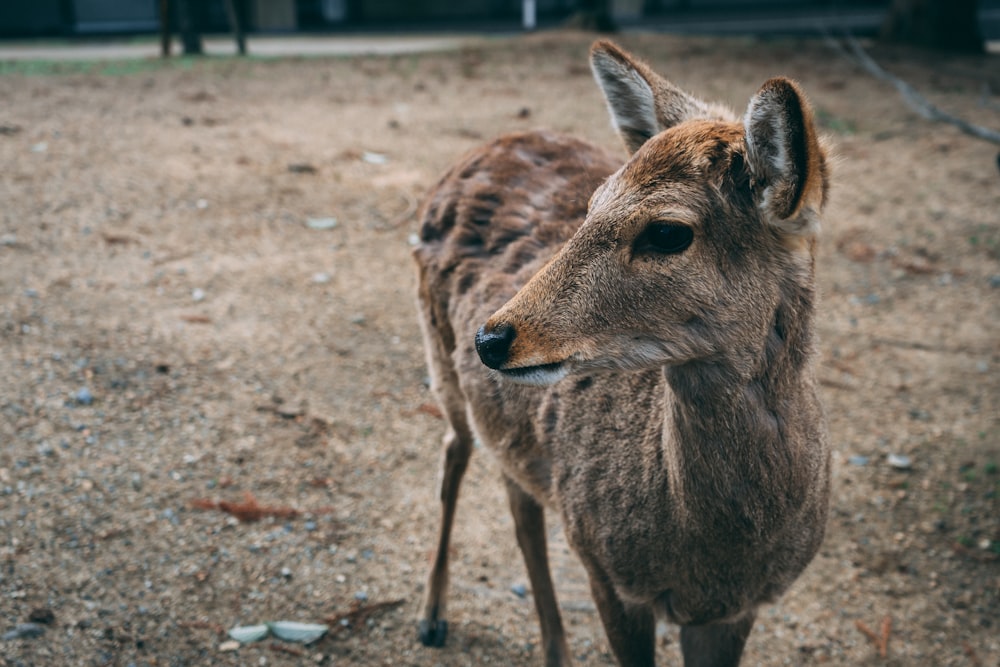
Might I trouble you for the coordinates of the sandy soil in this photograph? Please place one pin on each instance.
(174, 334)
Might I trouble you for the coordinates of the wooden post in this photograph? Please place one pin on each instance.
(236, 24)
(164, 28)
(190, 25)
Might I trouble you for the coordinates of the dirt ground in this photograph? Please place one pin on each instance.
(178, 329)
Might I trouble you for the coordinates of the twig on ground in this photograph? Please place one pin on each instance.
(880, 639)
(883, 646)
(118, 239)
(203, 625)
(971, 654)
(282, 648)
(877, 341)
(914, 100)
(836, 384)
(412, 204)
(359, 613)
(427, 409)
(866, 631)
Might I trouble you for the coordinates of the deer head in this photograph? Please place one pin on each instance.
(687, 250)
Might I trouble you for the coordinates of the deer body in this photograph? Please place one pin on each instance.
(651, 356)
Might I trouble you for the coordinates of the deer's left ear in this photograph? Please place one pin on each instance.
(785, 158)
(641, 102)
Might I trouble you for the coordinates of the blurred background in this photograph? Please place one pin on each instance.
(215, 408)
(953, 24)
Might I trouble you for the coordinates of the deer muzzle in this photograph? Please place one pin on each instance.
(493, 344)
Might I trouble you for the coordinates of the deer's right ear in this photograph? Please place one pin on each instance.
(641, 102)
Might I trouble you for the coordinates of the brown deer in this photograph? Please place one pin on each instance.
(650, 356)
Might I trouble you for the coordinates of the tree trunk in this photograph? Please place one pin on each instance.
(950, 25)
(189, 20)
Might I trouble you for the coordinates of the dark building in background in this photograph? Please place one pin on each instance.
(47, 18)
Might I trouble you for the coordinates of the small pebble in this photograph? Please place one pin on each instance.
(42, 615)
(321, 223)
(25, 631)
(198, 294)
(321, 278)
(227, 646)
(361, 596)
(520, 590)
(286, 573)
(858, 460)
(310, 526)
(374, 158)
(899, 461)
(84, 397)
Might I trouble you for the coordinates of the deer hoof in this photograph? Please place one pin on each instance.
(433, 633)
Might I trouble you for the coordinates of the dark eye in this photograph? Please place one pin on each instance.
(665, 238)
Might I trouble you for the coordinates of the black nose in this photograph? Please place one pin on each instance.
(494, 346)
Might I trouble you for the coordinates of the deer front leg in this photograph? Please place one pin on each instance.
(631, 629)
(717, 644)
(457, 447)
(529, 522)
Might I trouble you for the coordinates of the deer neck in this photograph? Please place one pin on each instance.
(734, 432)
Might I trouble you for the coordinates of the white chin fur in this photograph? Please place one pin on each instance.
(538, 376)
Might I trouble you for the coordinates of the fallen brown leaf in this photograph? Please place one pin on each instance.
(916, 266)
(247, 511)
(859, 252)
(430, 409)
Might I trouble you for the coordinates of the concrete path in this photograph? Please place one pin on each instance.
(331, 45)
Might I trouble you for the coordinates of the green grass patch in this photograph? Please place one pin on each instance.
(102, 67)
(834, 123)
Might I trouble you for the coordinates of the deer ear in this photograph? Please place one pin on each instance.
(785, 159)
(641, 102)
